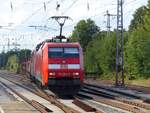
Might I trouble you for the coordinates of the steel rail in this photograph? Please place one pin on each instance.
(135, 103)
(38, 106)
(49, 98)
(112, 102)
(85, 106)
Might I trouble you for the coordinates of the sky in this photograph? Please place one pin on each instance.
(16, 17)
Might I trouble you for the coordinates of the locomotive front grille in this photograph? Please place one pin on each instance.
(63, 81)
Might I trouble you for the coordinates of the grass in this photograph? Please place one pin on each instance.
(111, 78)
(12, 63)
(139, 82)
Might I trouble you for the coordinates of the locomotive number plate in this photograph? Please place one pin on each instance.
(64, 66)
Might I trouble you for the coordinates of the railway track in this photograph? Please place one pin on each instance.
(32, 102)
(50, 98)
(121, 98)
(120, 92)
(97, 96)
(114, 99)
(143, 89)
(117, 94)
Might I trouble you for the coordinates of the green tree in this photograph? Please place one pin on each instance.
(107, 53)
(148, 5)
(100, 53)
(91, 63)
(138, 46)
(138, 54)
(84, 31)
(24, 55)
(138, 18)
(12, 59)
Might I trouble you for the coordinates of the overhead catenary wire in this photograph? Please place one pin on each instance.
(100, 14)
(66, 10)
(129, 12)
(29, 17)
(63, 12)
(62, 2)
(104, 5)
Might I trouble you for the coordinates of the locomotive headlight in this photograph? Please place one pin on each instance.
(76, 73)
(51, 74)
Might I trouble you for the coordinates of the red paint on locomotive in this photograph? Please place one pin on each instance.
(58, 64)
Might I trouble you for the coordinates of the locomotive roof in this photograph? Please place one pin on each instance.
(59, 42)
(56, 44)
(63, 44)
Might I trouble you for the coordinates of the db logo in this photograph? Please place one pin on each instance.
(63, 61)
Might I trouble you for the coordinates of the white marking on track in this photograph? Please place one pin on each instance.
(1, 110)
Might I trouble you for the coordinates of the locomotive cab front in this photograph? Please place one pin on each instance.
(65, 66)
(58, 65)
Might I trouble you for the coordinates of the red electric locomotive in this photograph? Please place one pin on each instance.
(58, 65)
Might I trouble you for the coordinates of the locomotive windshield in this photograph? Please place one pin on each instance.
(63, 52)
